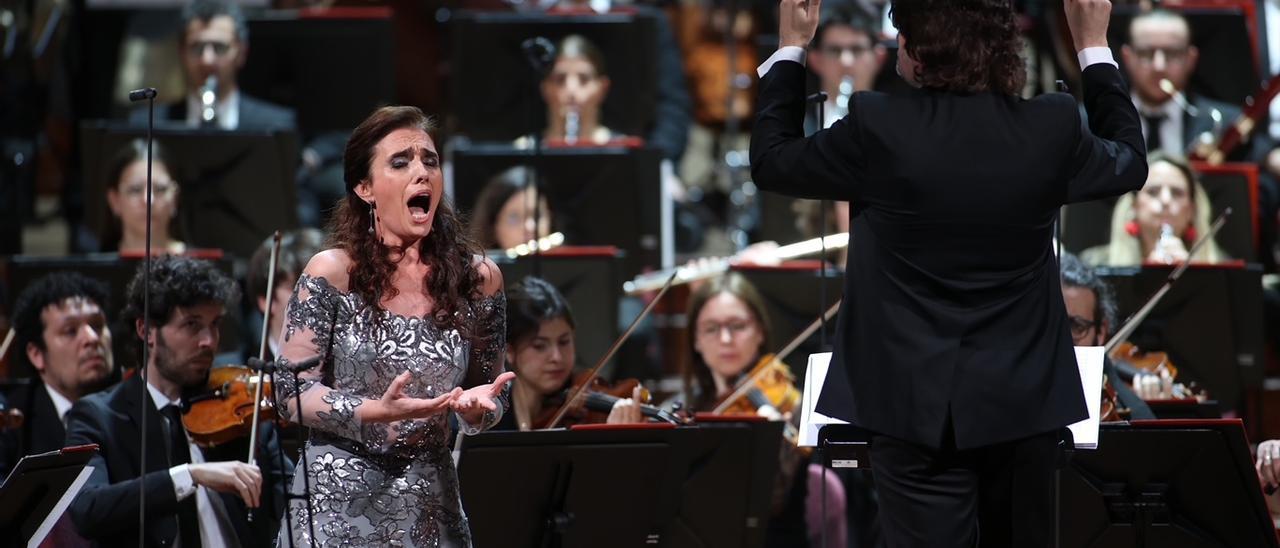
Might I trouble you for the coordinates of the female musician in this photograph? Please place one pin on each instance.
(1159, 223)
(126, 196)
(503, 217)
(402, 313)
(729, 333)
(574, 92)
(540, 350)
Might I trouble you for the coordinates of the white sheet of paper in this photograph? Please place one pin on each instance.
(1085, 432)
(815, 374)
(49, 521)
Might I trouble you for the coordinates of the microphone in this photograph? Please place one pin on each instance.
(142, 94)
(276, 365)
(540, 53)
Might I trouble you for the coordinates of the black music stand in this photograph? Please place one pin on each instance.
(598, 195)
(237, 187)
(491, 79)
(1234, 185)
(1165, 483)
(621, 486)
(1210, 323)
(588, 277)
(38, 491)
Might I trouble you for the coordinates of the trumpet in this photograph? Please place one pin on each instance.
(685, 274)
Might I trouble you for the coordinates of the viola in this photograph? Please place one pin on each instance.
(224, 411)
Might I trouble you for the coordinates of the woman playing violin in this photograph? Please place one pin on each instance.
(729, 333)
(540, 350)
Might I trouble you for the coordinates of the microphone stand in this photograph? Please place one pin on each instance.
(149, 95)
(820, 98)
(540, 53)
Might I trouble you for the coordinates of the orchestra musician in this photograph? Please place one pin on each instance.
(952, 288)
(406, 318)
(127, 198)
(195, 496)
(62, 334)
(729, 333)
(503, 217)
(296, 249)
(1161, 221)
(541, 352)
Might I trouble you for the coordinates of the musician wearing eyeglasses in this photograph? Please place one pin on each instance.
(127, 200)
(847, 57)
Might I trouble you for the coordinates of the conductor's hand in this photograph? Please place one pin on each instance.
(233, 477)
(475, 401)
(395, 405)
(1088, 22)
(797, 22)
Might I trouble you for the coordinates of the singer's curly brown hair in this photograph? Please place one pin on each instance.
(963, 46)
(454, 281)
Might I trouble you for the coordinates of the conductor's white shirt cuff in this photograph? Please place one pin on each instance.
(1093, 56)
(183, 485)
(786, 53)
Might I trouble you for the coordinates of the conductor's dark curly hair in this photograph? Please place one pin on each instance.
(455, 280)
(963, 46)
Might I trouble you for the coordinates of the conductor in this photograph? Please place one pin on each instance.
(954, 347)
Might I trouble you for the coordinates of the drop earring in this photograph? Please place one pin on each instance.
(373, 216)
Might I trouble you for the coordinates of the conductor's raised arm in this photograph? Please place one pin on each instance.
(823, 166)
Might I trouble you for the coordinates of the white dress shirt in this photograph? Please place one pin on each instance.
(60, 403)
(1172, 141)
(211, 527)
(227, 111)
(1272, 8)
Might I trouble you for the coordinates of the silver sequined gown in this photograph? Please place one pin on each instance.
(381, 484)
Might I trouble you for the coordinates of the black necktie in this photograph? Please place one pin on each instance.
(1153, 131)
(180, 453)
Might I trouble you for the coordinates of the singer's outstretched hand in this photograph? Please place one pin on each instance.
(475, 401)
(395, 405)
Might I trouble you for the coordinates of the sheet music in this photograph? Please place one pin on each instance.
(811, 421)
(50, 520)
(1085, 432)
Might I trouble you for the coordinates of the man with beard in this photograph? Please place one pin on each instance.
(194, 496)
(62, 335)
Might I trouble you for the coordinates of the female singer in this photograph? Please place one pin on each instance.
(402, 313)
(503, 216)
(1160, 222)
(729, 333)
(540, 351)
(127, 198)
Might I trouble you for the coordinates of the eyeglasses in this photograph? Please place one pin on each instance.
(736, 329)
(160, 189)
(1081, 326)
(197, 49)
(1171, 55)
(836, 51)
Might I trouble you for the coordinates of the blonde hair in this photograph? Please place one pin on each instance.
(1125, 249)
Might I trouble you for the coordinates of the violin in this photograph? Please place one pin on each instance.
(594, 404)
(225, 410)
(773, 388)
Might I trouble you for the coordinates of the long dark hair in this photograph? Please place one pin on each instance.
(497, 191)
(454, 280)
(700, 388)
(963, 46)
(530, 303)
(133, 151)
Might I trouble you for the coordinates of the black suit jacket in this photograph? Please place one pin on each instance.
(952, 306)
(107, 509)
(41, 429)
(255, 114)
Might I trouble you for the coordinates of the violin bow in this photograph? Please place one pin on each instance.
(613, 349)
(1131, 324)
(262, 346)
(741, 388)
(8, 340)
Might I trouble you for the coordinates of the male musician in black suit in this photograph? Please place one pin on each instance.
(215, 46)
(62, 334)
(954, 347)
(194, 496)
